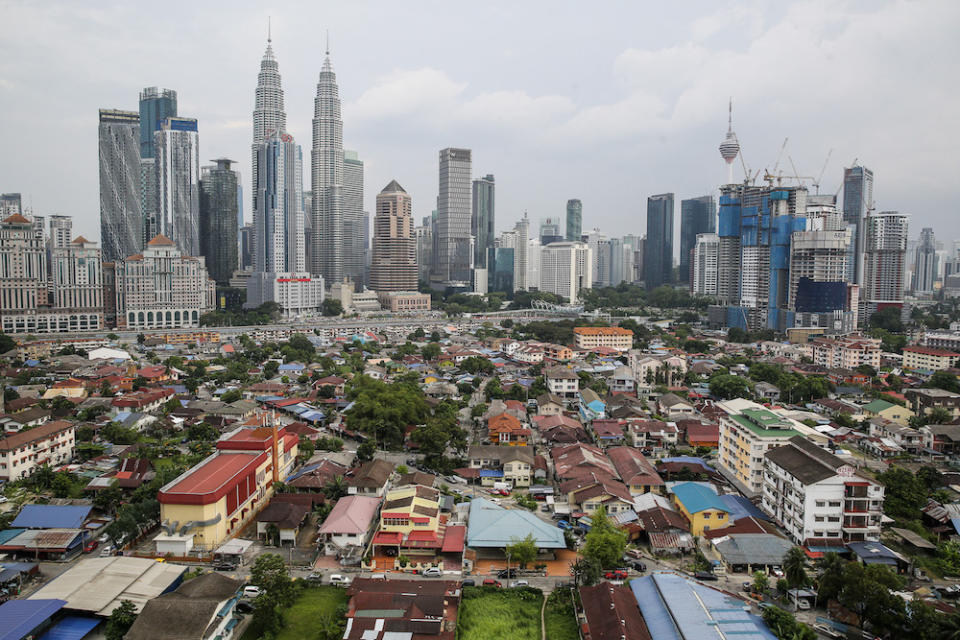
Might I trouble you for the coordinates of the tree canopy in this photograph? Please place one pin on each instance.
(383, 411)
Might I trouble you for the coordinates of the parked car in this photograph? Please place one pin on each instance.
(490, 582)
(566, 585)
(432, 572)
(507, 573)
(803, 604)
(776, 572)
(563, 524)
(244, 607)
(519, 583)
(616, 574)
(3, 499)
(828, 631)
(747, 586)
(251, 591)
(90, 546)
(705, 575)
(469, 582)
(315, 577)
(225, 566)
(634, 553)
(339, 580)
(106, 551)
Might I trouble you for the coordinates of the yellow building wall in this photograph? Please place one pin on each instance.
(699, 522)
(898, 414)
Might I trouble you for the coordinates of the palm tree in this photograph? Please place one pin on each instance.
(794, 566)
(335, 488)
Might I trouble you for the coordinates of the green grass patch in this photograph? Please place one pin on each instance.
(559, 616)
(300, 620)
(504, 614)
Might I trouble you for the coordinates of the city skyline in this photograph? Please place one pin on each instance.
(520, 135)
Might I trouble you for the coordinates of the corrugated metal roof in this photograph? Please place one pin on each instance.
(71, 628)
(19, 617)
(493, 526)
(49, 516)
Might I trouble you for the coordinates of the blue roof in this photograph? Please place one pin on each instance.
(696, 498)
(70, 628)
(312, 415)
(292, 366)
(689, 460)
(493, 526)
(302, 471)
(491, 473)
(9, 534)
(740, 507)
(19, 617)
(676, 608)
(875, 553)
(49, 516)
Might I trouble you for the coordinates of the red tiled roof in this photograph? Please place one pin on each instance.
(928, 351)
(212, 479)
(453, 539)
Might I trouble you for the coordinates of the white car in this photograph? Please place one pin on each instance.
(432, 572)
(340, 580)
(776, 572)
(3, 499)
(803, 604)
(251, 591)
(519, 583)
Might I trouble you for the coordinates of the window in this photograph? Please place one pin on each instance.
(821, 503)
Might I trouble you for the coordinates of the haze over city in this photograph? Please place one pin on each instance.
(609, 106)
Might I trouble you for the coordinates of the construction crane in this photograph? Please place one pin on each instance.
(796, 174)
(816, 184)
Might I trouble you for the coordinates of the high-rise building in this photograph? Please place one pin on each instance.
(925, 262)
(621, 261)
(534, 254)
(121, 216)
(566, 269)
(574, 220)
(658, 256)
(162, 288)
(697, 215)
(246, 247)
(279, 250)
(177, 166)
(550, 231)
(452, 254)
(218, 219)
(394, 264)
(424, 243)
(61, 232)
(884, 257)
(500, 263)
(705, 258)
(269, 115)
(857, 204)
(600, 254)
(520, 265)
(483, 219)
(326, 161)
(356, 235)
(77, 283)
(10, 204)
(635, 244)
(156, 105)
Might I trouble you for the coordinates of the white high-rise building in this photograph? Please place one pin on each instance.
(327, 178)
(269, 115)
(452, 254)
(61, 232)
(177, 166)
(76, 271)
(356, 232)
(885, 249)
(566, 268)
(600, 253)
(534, 255)
(520, 261)
(706, 257)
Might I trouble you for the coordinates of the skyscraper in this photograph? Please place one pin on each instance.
(453, 256)
(218, 219)
(355, 233)
(885, 249)
(857, 204)
(482, 219)
(574, 220)
(600, 253)
(818, 293)
(326, 162)
(697, 215)
(520, 266)
(658, 256)
(177, 166)
(705, 258)
(566, 269)
(121, 217)
(394, 264)
(500, 263)
(925, 262)
(269, 115)
(730, 147)
(156, 105)
(550, 230)
(61, 232)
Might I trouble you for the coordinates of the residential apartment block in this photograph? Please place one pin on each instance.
(848, 352)
(22, 453)
(928, 358)
(610, 337)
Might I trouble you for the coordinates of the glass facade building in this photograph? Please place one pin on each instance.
(697, 215)
(156, 105)
(121, 218)
(483, 218)
(857, 202)
(218, 219)
(574, 220)
(658, 256)
(500, 261)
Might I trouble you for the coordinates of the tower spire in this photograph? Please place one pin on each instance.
(730, 115)
(328, 42)
(269, 34)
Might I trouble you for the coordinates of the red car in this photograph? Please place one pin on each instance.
(90, 546)
(615, 575)
(490, 582)
(504, 492)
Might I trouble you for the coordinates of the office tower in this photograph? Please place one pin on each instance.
(177, 166)
(482, 219)
(162, 288)
(500, 263)
(566, 269)
(279, 250)
(76, 282)
(705, 258)
(574, 220)
(394, 264)
(600, 254)
(269, 115)
(121, 216)
(658, 255)
(326, 161)
(61, 232)
(156, 105)
(355, 233)
(550, 231)
(452, 252)
(925, 263)
(857, 204)
(884, 257)
(621, 261)
(755, 227)
(246, 247)
(697, 215)
(424, 244)
(39, 226)
(218, 220)
(730, 147)
(534, 252)
(634, 244)
(522, 228)
(10, 204)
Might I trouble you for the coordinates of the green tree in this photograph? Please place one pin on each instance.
(761, 583)
(231, 396)
(332, 307)
(785, 626)
(831, 577)
(120, 620)
(905, 493)
(430, 351)
(887, 319)
(586, 571)
(729, 386)
(305, 449)
(107, 500)
(943, 380)
(604, 543)
(794, 567)
(365, 451)
(522, 551)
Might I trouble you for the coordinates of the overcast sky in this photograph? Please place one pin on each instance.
(609, 102)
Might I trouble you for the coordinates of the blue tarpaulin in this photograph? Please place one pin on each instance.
(50, 516)
(740, 507)
(71, 628)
